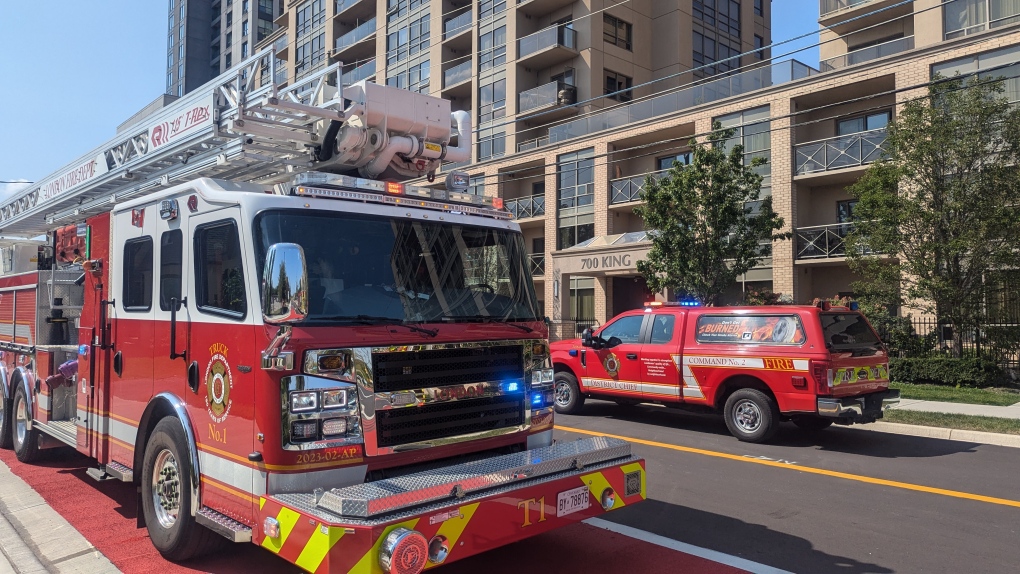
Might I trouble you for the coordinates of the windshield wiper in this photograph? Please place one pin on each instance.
(488, 319)
(377, 320)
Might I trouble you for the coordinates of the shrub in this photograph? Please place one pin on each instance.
(947, 371)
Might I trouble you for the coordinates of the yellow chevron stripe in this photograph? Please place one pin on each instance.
(597, 483)
(369, 563)
(636, 467)
(318, 546)
(287, 518)
(453, 528)
(262, 502)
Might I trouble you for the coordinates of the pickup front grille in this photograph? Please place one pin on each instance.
(407, 370)
(454, 418)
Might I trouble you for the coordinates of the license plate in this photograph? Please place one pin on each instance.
(571, 501)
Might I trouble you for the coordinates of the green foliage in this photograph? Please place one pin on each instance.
(765, 296)
(947, 371)
(943, 202)
(703, 237)
(895, 331)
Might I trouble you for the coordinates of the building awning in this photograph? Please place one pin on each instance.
(603, 255)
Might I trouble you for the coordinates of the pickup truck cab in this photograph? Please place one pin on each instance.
(813, 365)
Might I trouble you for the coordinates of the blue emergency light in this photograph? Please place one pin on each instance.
(511, 387)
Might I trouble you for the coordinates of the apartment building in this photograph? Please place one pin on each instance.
(207, 37)
(566, 141)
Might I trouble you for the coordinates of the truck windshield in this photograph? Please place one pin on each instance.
(369, 269)
(848, 331)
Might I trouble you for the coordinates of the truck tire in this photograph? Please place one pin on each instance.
(751, 415)
(6, 429)
(569, 399)
(166, 496)
(812, 424)
(25, 440)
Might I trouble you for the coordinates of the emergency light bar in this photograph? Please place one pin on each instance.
(681, 303)
(336, 186)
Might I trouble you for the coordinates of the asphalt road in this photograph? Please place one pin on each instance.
(840, 501)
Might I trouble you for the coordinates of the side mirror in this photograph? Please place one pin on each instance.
(284, 285)
(586, 338)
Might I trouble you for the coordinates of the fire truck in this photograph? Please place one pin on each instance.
(240, 306)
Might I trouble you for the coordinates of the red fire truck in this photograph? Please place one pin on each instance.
(349, 372)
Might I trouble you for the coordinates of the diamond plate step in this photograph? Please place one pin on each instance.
(120, 472)
(223, 525)
(380, 497)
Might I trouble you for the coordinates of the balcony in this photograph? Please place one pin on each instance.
(362, 72)
(356, 35)
(457, 74)
(280, 46)
(533, 144)
(538, 8)
(281, 73)
(344, 7)
(827, 7)
(704, 93)
(536, 264)
(527, 206)
(546, 96)
(627, 189)
(547, 47)
(839, 152)
(457, 25)
(867, 54)
(822, 241)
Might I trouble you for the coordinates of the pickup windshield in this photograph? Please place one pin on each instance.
(848, 331)
(401, 270)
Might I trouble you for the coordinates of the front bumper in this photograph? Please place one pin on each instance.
(453, 512)
(860, 409)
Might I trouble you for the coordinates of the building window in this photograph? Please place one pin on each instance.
(477, 185)
(309, 54)
(488, 8)
(180, 71)
(845, 210)
(181, 34)
(244, 29)
(181, 52)
(492, 101)
(987, 66)
(582, 299)
(414, 78)
(182, 11)
(230, 19)
(724, 15)
(759, 44)
(265, 28)
(667, 162)
(244, 6)
(169, 81)
(492, 49)
(244, 50)
(492, 146)
(864, 123)
(219, 275)
(310, 16)
(266, 11)
(617, 32)
(752, 129)
(396, 9)
(171, 245)
(408, 41)
(138, 274)
(618, 87)
(230, 40)
(713, 53)
(575, 193)
(171, 21)
(227, 61)
(963, 17)
(759, 7)
(170, 60)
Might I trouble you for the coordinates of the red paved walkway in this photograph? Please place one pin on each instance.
(105, 514)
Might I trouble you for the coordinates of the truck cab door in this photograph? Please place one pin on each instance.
(660, 375)
(221, 312)
(615, 369)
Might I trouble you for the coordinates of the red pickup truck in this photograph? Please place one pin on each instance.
(814, 365)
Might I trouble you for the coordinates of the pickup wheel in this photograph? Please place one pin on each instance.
(25, 439)
(5, 422)
(166, 496)
(751, 415)
(569, 399)
(812, 424)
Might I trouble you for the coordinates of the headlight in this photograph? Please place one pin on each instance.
(304, 401)
(334, 399)
(541, 376)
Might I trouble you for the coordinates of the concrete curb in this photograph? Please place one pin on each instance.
(34, 538)
(991, 438)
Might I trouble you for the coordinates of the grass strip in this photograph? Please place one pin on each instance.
(998, 397)
(953, 421)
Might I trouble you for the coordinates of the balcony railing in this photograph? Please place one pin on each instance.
(870, 53)
(536, 264)
(542, 96)
(457, 24)
(363, 71)
(533, 144)
(826, 7)
(356, 35)
(527, 206)
(822, 241)
(457, 74)
(342, 5)
(704, 93)
(626, 189)
(840, 152)
(558, 36)
(281, 73)
(280, 44)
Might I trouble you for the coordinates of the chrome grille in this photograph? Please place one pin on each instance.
(408, 370)
(454, 418)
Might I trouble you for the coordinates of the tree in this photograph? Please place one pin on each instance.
(704, 234)
(942, 204)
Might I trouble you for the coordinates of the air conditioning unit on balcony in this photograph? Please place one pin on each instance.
(567, 96)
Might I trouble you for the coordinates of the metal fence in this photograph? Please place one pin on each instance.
(570, 329)
(996, 339)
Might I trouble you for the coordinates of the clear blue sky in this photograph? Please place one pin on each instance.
(71, 71)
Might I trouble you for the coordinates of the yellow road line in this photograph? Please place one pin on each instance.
(807, 469)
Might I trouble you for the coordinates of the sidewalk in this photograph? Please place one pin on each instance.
(35, 539)
(1010, 412)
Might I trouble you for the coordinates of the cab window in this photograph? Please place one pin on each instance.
(138, 274)
(625, 329)
(662, 329)
(220, 278)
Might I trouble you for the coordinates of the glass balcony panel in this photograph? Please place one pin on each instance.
(356, 35)
(457, 74)
(870, 53)
(558, 36)
(457, 24)
(826, 7)
(363, 71)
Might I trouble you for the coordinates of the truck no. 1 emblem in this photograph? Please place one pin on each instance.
(218, 383)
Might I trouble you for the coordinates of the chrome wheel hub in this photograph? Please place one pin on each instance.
(20, 422)
(562, 394)
(747, 416)
(166, 488)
